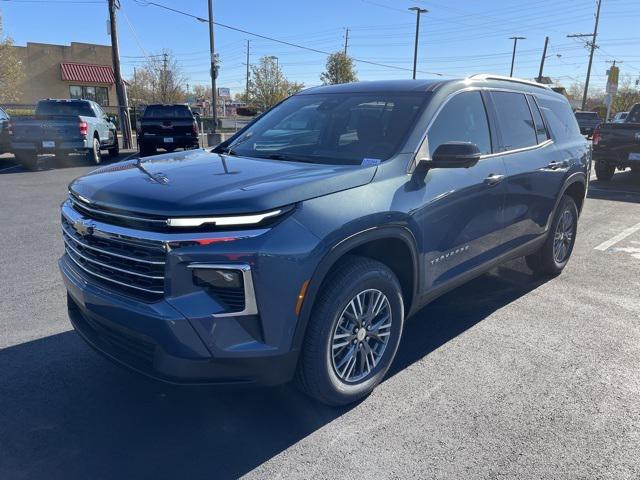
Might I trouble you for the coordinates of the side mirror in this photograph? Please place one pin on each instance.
(112, 119)
(455, 155)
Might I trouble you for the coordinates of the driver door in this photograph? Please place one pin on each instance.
(462, 211)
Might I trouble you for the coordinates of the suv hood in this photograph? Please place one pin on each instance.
(200, 183)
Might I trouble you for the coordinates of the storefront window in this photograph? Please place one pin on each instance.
(97, 94)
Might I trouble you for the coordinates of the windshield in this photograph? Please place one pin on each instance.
(342, 128)
(167, 111)
(64, 108)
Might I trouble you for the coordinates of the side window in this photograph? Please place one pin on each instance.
(561, 120)
(541, 130)
(516, 123)
(462, 119)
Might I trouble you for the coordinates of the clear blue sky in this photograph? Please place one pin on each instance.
(458, 37)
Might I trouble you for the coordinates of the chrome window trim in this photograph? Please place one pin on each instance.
(250, 305)
(414, 158)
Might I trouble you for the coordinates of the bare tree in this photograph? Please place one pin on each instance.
(628, 95)
(269, 85)
(159, 81)
(11, 70)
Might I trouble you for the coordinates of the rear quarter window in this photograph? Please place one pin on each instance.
(560, 119)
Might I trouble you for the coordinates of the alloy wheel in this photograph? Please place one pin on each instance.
(361, 336)
(563, 236)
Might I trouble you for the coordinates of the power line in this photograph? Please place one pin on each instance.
(265, 37)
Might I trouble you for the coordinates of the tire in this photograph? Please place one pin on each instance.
(28, 161)
(115, 150)
(338, 373)
(605, 171)
(93, 154)
(554, 254)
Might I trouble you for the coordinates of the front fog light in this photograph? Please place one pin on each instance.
(217, 278)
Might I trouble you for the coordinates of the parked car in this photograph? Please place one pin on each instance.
(302, 260)
(62, 127)
(620, 117)
(588, 121)
(4, 131)
(617, 145)
(167, 127)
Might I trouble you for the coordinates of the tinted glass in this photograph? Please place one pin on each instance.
(634, 115)
(3, 115)
(336, 128)
(560, 119)
(462, 119)
(167, 111)
(516, 124)
(64, 108)
(541, 131)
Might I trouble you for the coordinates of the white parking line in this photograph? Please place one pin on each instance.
(621, 236)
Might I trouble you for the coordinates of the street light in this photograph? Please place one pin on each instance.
(513, 56)
(415, 48)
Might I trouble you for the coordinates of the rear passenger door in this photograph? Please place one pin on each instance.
(535, 169)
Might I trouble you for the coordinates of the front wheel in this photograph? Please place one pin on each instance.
(554, 254)
(605, 171)
(353, 333)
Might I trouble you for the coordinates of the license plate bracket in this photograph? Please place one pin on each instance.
(48, 144)
(168, 139)
(634, 157)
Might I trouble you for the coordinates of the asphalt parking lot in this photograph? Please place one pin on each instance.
(506, 377)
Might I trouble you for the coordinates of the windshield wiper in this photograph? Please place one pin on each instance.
(280, 156)
(230, 149)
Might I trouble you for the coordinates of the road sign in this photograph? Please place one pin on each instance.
(612, 80)
(224, 92)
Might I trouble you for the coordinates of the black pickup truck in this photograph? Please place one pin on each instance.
(167, 127)
(588, 121)
(617, 145)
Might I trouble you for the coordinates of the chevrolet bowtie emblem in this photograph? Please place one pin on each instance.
(84, 227)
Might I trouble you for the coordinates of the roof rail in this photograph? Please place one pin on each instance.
(489, 76)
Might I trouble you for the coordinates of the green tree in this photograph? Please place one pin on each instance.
(628, 95)
(339, 69)
(11, 70)
(268, 84)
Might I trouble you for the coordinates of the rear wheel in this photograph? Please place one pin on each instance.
(605, 171)
(554, 255)
(93, 154)
(353, 333)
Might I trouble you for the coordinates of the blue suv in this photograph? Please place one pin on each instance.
(297, 248)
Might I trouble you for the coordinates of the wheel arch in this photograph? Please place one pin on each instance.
(379, 243)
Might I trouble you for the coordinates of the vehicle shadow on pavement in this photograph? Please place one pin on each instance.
(623, 187)
(67, 413)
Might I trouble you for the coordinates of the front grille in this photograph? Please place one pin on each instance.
(133, 267)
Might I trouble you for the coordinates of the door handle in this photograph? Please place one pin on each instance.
(493, 179)
(556, 165)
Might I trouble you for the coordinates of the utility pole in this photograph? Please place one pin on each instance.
(346, 41)
(121, 91)
(513, 55)
(415, 48)
(212, 51)
(163, 81)
(544, 55)
(592, 44)
(246, 88)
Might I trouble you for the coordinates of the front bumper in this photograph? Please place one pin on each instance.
(158, 341)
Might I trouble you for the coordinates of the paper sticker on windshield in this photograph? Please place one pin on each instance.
(370, 162)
